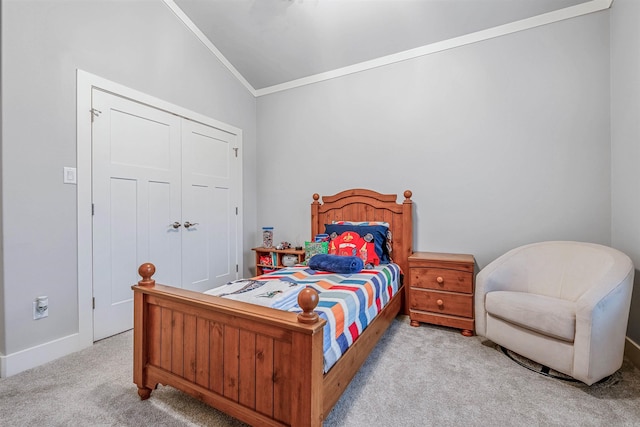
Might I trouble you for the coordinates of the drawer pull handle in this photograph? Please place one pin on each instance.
(440, 303)
(440, 280)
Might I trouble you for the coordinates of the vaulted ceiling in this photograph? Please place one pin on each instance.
(272, 42)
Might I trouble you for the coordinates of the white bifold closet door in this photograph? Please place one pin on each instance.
(164, 190)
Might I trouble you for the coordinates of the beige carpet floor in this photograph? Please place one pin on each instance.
(425, 376)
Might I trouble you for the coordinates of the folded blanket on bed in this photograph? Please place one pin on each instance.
(272, 293)
(336, 263)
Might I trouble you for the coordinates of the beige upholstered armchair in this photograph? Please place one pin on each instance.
(562, 304)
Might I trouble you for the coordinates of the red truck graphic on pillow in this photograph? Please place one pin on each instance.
(350, 243)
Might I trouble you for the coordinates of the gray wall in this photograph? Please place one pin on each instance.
(2, 323)
(625, 141)
(139, 44)
(503, 142)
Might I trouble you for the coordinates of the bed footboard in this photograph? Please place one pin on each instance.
(260, 365)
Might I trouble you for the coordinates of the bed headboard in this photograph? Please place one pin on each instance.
(366, 205)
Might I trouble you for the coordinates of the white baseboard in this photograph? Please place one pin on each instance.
(632, 351)
(14, 363)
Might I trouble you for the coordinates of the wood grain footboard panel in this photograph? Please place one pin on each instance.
(253, 364)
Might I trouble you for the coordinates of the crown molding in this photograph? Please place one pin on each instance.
(478, 36)
(200, 36)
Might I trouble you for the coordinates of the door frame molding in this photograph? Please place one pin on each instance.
(85, 83)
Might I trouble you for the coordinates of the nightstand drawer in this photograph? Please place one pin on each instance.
(442, 302)
(464, 323)
(442, 279)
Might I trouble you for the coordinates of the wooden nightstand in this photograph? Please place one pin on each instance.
(275, 258)
(441, 290)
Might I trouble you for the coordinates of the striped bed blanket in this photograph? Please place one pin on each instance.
(267, 292)
(348, 302)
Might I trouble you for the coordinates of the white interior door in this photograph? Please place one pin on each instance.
(136, 193)
(209, 190)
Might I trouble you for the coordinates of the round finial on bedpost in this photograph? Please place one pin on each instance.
(316, 197)
(408, 194)
(147, 270)
(308, 300)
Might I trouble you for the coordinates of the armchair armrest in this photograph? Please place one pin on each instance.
(602, 314)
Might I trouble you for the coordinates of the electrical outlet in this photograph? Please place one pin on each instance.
(41, 308)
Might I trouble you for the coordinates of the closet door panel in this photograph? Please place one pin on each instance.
(136, 174)
(208, 177)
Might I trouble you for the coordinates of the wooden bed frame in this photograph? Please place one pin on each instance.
(260, 365)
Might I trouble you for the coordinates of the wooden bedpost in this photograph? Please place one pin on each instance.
(314, 215)
(147, 270)
(407, 219)
(140, 349)
(407, 237)
(308, 300)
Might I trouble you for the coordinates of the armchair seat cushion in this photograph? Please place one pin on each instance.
(545, 315)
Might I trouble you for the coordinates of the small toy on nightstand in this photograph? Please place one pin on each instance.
(283, 245)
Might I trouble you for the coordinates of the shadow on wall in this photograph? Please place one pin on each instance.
(633, 328)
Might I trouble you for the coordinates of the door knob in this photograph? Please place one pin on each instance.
(189, 224)
(176, 224)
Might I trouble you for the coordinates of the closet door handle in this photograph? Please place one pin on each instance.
(176, 224)
(189, 224)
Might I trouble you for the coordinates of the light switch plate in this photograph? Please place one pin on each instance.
(69, 176)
